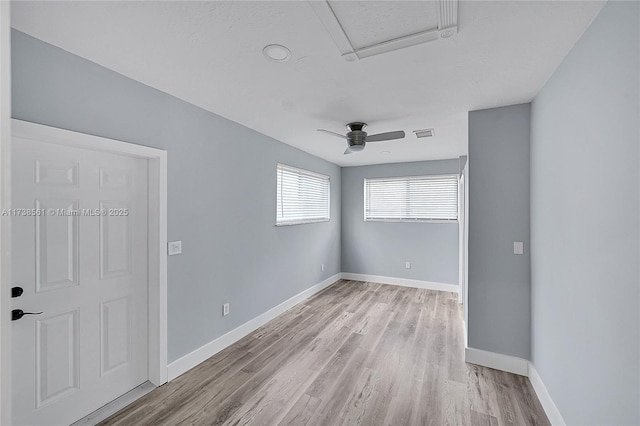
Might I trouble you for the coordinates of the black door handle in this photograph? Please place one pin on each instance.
(16, 314)
(16, 291)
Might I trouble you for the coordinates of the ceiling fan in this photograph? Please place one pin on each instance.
(357, 138)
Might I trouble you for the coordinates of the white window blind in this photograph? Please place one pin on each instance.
(302, 196)
(411, 198)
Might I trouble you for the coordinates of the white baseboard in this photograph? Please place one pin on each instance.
(552, 412)
(510, 364)
(187, 362)
(404, 282)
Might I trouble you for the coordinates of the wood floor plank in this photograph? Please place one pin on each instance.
(454, 347)
(354, 354)
(529, 405)
(455, 405)
(302, 411)
(320, 387)
(388, 358)
(337, 396)
(481, 419)
(431, 396)
(480, 398)
(507, 414)
(404, 406)
(360, 399)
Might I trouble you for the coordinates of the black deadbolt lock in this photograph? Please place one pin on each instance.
(16, 291)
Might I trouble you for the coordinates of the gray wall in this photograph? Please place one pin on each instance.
(382, 248)
(584, 224)
(221, 200)
(499, 281)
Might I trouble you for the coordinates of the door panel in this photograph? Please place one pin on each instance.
(56, 246)
(63, 173)
(111, 178)
(82, 260)
(115, 240)
(115, 333)
(57, 353)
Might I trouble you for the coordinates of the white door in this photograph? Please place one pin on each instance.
(80, 255)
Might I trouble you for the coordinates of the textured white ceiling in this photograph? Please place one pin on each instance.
(371, 22)
(210, 54)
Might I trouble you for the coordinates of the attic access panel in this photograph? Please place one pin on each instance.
(374, 22)
(366, 28)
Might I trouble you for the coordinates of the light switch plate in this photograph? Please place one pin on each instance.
(518, 247)
(174, 247)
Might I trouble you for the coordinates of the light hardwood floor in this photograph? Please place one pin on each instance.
(356, 353)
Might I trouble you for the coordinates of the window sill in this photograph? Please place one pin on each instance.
(301, 222)
(414, 220)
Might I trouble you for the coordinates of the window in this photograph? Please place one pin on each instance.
(302, 196)
(411, 198)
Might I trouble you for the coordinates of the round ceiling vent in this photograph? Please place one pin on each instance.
(276, 53)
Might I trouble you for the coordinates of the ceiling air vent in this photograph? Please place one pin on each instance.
(424, 133)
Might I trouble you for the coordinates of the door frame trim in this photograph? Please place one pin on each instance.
(156, 242)
(5, 202)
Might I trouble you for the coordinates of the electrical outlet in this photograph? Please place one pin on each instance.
(407, 265)
(225, 309)
(322, 267)
(174, 247)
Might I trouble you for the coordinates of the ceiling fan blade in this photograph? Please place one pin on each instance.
(385, 136)
(348, 151)
(332, 133)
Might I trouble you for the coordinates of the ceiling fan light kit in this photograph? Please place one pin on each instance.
(357, 138)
